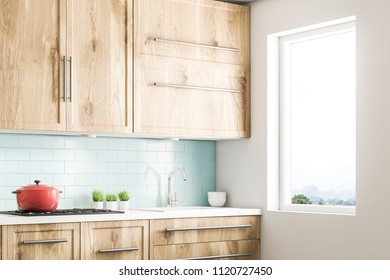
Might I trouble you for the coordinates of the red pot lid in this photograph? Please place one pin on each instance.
(35, 187)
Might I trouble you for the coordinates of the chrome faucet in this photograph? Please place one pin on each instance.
(171, 201)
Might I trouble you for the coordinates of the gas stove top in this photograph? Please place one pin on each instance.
(74, 211)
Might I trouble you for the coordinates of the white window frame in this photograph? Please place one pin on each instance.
(279, 193)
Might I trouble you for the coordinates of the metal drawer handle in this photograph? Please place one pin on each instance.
(70, 79)
(64, 77)
(196, 45)
(205, 228)
(44, 241)
(118, 250)
(220, 256)
(65, 61)
(196, 87)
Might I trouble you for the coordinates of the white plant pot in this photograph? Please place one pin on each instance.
(123, 205)
(111, 205)
(97, 204)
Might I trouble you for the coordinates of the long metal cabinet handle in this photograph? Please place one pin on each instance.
(196, 87)
(64, 77)
(220, 256)
(44, 241)
(118, 250)
(196, 45)
(205, 228)
(70, 79)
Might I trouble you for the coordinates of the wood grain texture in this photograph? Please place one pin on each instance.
(203, 22)
(115, 235)
(1, 243)
(29, 64)
(187, 112)
(215, 250)
(100, 45)
(160, 236)
(205, 242)
(166, 110)
(14, 249)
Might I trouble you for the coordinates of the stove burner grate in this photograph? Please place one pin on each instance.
(74, 211)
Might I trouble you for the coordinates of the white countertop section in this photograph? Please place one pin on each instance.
(133, 214)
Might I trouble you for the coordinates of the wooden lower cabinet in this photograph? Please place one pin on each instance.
(41, 242)
(116, 240)
(1, 243)
(225, 238)
(206, 238)
(226, 250)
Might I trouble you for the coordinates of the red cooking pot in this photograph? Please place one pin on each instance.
(37, 198)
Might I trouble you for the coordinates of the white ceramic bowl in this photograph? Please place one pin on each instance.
(216, 199)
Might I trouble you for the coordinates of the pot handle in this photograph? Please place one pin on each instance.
(37, 181)
(15, 192)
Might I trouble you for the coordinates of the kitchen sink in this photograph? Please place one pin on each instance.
(171, 209)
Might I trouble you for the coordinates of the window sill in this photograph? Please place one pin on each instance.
(312, 211)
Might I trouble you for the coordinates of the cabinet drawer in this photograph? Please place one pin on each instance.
(42, 242)
(199, 30)
(178, 97)
(119, 240)
(193, 230)
(225, 250)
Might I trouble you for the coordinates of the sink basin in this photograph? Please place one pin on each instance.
(171, 209)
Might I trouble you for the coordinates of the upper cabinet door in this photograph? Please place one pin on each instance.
(99, 44)
(191, 68)
(30, 84)
(204, 30)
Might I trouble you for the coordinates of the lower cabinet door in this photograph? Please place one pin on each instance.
(204, 230)
(115, 240)
(1, 244)
(41, 242)
(226, 250)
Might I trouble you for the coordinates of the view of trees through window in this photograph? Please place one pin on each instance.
(319, 117)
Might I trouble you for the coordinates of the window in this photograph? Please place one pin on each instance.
(313, 118)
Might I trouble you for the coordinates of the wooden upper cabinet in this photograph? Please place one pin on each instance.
(193, 29)
(191, 68)
(30, 36)
(99, 54)
(66, 65)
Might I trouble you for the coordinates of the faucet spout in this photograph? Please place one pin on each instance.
(172, 201)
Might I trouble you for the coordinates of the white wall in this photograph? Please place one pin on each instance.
(241, 165)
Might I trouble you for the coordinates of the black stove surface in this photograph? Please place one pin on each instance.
(74, 211)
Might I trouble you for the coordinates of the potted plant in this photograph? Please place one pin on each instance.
(111, 201)
(123, 200)
(97, 199)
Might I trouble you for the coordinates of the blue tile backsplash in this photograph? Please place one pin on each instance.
(77, 165)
